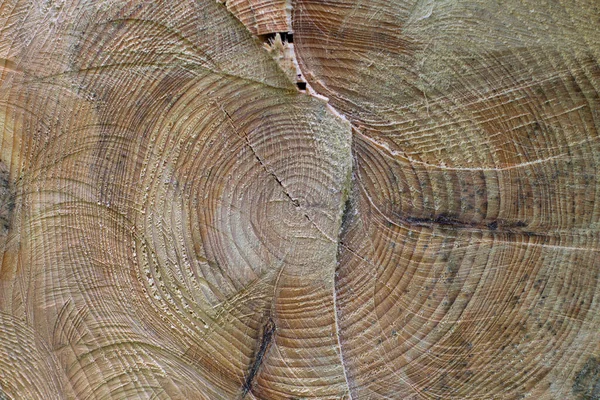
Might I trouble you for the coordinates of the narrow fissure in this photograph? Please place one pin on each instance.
(348, 212)
(294, 201)
(265, 342)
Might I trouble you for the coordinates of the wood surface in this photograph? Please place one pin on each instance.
(403, 203)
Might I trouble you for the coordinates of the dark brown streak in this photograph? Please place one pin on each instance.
(267, 337)
(444, 220)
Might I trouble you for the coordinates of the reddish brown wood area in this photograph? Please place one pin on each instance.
(308, 199)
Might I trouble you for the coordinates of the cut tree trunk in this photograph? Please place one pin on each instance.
(276, 199)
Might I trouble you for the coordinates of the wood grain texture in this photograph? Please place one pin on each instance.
(264, 16)
(470, 266)
(179, 220)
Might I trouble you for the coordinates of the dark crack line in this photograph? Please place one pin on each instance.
(294, 201)
(267, 338)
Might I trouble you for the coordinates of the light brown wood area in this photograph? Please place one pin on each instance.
(403, 203)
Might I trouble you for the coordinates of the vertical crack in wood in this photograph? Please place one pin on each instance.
(265, 343)
(345, 221)
(7, 202)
